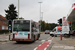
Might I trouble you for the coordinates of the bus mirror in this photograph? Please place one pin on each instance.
(32, 29)
(32, 25)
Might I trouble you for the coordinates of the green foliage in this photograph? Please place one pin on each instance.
(3, 31)
(73, 25)
(53, 25)
(43, 25)
(11, 13)
(47, 26)
(20, 18)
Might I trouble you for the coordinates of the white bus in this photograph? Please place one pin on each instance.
(25, 30)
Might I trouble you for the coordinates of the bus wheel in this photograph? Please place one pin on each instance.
(38, 37)
(17, 41)
(34, 39)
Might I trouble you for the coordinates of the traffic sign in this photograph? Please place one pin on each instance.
(9, 29)
(65, 26)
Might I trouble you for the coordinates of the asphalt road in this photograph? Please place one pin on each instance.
(12, 45)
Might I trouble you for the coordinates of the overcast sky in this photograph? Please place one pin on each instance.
(30, 9)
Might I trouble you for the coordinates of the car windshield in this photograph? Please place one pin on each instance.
(59, 30)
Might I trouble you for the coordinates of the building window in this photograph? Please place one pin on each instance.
(2, 27)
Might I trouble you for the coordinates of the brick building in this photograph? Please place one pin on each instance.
(3, 23)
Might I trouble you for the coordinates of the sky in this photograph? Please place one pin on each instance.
(30, 9)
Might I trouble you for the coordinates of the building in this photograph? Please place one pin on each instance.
(3, 23)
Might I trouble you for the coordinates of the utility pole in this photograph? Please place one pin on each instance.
(18, 9)
(40, 14)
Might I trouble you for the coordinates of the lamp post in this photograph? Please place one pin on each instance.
(40, 14)
(18, 9)
(40, 9)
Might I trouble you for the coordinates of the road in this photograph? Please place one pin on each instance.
(12, 45)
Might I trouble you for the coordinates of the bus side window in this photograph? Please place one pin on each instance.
(36, 30)
(32, 28)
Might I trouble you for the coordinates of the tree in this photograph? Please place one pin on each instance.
(43, 25)
(20, 18)
(73, 25)
(11, 13)
(53, 25)
(47, 26)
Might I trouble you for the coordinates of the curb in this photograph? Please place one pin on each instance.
(6, 40)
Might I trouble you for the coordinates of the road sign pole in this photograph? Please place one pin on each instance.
(9, 35)
(61, 36)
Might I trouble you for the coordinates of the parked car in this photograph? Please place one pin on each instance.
(47, 31)
(50, 30)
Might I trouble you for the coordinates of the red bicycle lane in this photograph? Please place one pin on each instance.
(44, 45)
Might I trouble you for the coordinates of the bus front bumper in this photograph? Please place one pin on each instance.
(21, 40)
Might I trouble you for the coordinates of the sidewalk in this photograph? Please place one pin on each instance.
(64, 44)
(4, 37)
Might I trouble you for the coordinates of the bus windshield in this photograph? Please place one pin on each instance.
(21, 27)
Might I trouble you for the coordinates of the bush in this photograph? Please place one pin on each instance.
(3, 31)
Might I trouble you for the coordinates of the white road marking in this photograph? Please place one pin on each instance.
(47, 45)
(45, 48)
(49, 40)
(35, 48)
(39, 45)
(43, 40)
(3, 43)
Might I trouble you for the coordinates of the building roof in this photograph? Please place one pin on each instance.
(3, 17)
(71, 16)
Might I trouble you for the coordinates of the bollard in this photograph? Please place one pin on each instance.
(61, 36)
(9, 37)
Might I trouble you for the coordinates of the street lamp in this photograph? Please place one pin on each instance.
(40, 9)
(18, 9)
(40, 14)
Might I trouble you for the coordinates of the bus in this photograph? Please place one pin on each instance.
(25, 30)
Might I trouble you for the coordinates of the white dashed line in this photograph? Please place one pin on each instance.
(3, 42)
(35, 48)
(43, 40)
(45, 48)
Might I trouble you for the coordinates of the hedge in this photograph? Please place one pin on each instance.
(3, 31)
